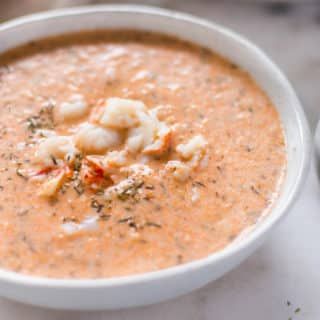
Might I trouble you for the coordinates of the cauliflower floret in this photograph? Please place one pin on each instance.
(75, 108)
(121, 113)
(92, 139)
(194, 147)
(181, 171)
(55, 147)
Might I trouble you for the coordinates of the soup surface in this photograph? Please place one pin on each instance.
(125, 152)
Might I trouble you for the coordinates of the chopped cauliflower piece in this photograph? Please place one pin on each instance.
(75, 108)
(121, 113)
(55, 147)
(93, 139)
(194, 147)
(181, 171)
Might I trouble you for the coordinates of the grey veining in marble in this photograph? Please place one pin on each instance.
(287, 266)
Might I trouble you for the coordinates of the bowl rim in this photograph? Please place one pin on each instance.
(38, 281)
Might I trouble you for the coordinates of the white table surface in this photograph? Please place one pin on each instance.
(287, 266)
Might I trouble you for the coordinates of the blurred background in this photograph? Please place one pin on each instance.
(289, 31)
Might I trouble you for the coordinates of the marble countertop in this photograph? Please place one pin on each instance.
(282, 279)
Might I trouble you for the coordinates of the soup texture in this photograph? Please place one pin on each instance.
(125, 152)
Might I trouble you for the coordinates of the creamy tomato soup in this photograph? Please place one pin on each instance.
(125, 152)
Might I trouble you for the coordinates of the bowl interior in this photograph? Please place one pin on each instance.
(222, 41)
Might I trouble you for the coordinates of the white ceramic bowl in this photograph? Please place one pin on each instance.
(165, 284)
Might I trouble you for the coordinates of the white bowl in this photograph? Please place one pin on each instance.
(161, 285)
